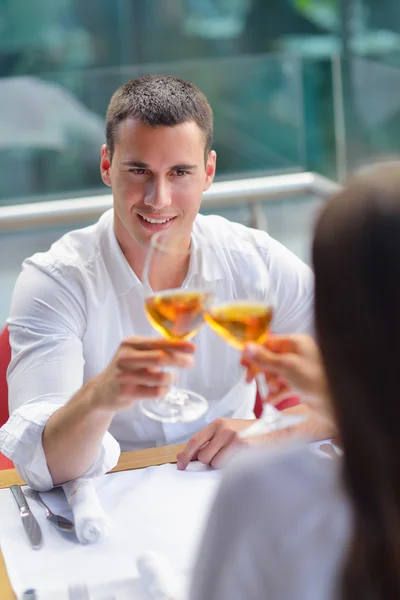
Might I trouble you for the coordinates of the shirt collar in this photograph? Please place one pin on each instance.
(204, 259)
(122, 275)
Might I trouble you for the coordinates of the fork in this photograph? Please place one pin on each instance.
(58, 521)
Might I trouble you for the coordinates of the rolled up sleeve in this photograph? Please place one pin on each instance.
(21, 442)
(47, 325)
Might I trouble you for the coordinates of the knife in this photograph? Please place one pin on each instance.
(28, 520)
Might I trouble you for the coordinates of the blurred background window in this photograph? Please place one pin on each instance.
(267, 68)
(61, 60)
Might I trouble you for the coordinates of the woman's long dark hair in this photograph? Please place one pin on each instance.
(356, 256)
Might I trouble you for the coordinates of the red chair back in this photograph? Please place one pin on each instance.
(5, 357)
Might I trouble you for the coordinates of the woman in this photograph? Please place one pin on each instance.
(293, 524)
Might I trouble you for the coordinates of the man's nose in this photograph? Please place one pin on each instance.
(158, 194)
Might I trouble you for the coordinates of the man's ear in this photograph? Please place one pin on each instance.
(210, 169)
(105, 165)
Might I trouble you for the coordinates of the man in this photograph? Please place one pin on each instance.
(83, 351)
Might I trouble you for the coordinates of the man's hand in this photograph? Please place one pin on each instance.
(212, 444)
(76, 429)
(136, 371)
(217, 442)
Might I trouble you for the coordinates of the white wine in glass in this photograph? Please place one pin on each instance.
(240, 322)
(177, 314)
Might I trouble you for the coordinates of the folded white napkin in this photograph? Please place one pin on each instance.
(157, 576)
(91, 522)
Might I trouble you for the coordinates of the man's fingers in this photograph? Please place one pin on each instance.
(180, 360)
(194, 445)
(144, 343)
(134, 360)
(224, 437)
(225, 454)
(149, 377)
(195, 455)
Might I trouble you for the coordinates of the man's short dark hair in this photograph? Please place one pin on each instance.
(159, 100)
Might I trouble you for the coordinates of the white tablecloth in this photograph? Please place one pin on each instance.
(158, 508)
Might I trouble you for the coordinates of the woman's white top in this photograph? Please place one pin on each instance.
(279, 529)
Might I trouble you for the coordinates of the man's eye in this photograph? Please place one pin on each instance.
(138, 171)
(180, 172)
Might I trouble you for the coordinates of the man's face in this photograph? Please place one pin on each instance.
(157, 175)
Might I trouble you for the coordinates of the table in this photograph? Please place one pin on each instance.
(136, 459)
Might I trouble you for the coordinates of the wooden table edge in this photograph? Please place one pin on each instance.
(136, 459)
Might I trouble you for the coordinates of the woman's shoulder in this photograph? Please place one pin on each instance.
(290, 482)
(280, 519)
(289, 460)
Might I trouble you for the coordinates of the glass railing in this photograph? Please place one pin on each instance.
(362, 38)
(54, 124)
(371, 109)
(273, 114)
(300, 108)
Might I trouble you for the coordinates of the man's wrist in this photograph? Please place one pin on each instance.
(92, 399)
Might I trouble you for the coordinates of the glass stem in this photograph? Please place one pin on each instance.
(173, 392)
(262, 386)
(269, 411)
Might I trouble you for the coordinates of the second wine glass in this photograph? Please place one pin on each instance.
(175, 311)
(247, 318)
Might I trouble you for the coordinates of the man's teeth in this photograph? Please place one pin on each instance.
(158, 221)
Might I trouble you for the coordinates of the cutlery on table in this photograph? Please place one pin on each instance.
(29, 522)
(58, 521)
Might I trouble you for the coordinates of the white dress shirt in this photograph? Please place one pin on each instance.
(279, 529)
(73, 305)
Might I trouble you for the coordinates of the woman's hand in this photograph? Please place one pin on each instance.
(292, 364)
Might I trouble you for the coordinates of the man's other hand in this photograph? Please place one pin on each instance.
(213, 444)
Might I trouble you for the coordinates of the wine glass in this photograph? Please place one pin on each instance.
(247, 318)
(176, 313)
